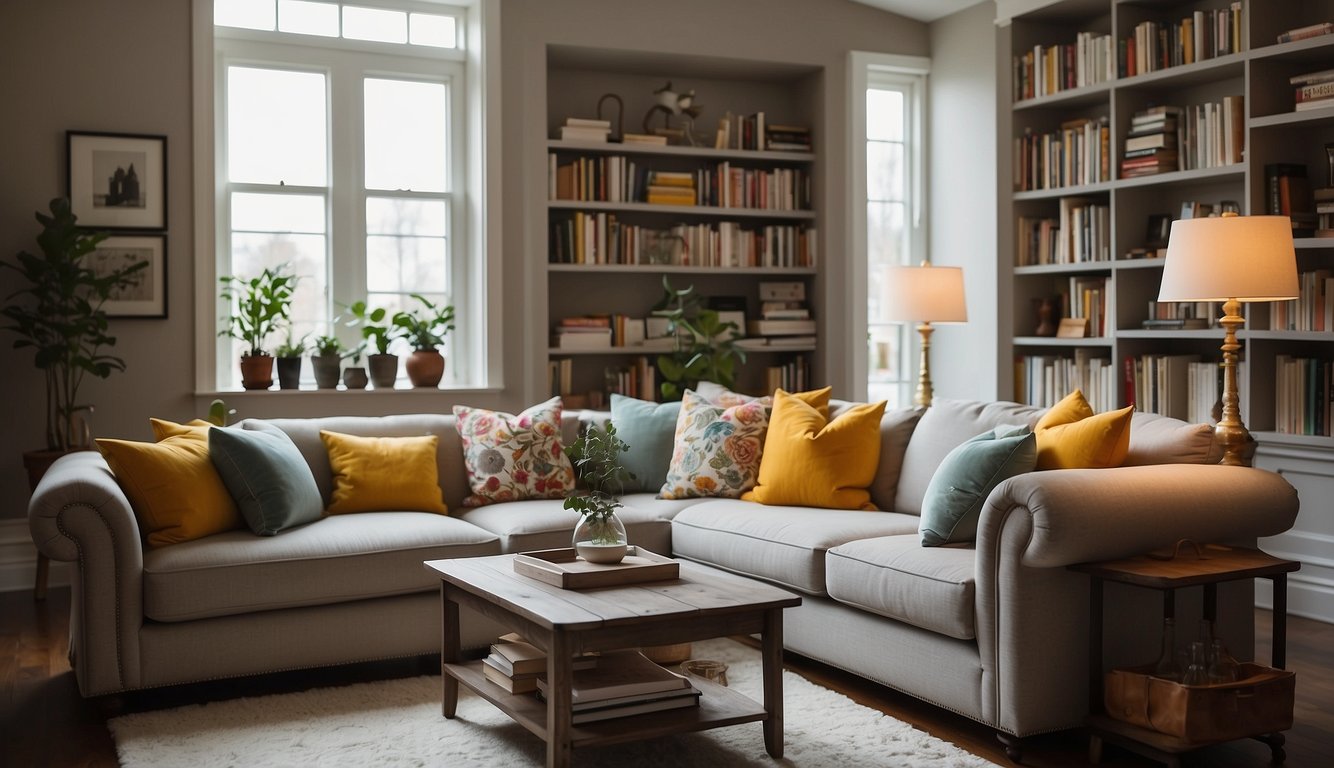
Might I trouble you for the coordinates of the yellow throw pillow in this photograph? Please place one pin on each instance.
(163, 429)
(172, 485)
(1071, 436)
(383, 474)
(810, 461)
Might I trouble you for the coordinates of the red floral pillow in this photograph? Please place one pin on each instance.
(512, 457)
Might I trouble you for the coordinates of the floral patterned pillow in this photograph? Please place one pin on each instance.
(717, 450)
(512, 457)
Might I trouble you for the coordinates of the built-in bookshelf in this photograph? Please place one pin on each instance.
(726, 201)
(1202, 110)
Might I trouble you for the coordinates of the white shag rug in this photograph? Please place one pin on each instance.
(398, 723)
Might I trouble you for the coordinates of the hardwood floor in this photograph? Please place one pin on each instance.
(46, 722)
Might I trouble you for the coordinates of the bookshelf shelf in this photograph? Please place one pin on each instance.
(1058, 192)
(1052, 341)
(1083, 96)
(708, 211)
(1313, 242)
(707, 153)
(617, 351)
(658, 270)
(1139, 263)
(1294, 441)
(1312, 49)
(1061, 269)
(1292, 118)
(1211, 334)
(1225, 67)
(1237, 170)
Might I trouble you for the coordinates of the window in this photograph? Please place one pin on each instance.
(341, 138)
(891, 228)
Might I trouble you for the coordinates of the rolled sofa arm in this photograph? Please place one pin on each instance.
(1087, 515)
(78, 512)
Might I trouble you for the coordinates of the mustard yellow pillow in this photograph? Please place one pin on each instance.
(1072, 436)
(173, 488)
(163, 429)
(383, 474)
(810, 461)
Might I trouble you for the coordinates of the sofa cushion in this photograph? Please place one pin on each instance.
(374, 474)
(957, 491)
(1156, 439)
(944, 425)
(716, 450)
(896, 429)
(785, 545)
(334, 560)
(932, 588)
(267, 478)
(512, 457)
(546, 524)
(811, 461)
(648, 428)
(1072, 436)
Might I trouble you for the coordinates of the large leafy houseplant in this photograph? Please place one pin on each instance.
(62, 318)
(596, 455)
(425, 328)
(705, 345)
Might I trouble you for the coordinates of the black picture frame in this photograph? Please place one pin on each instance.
(117, 181)
(147, 298)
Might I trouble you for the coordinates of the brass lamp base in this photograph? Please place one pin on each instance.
(1236, 441)
(924, 391)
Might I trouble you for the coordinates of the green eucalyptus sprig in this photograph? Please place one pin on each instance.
(596, 456)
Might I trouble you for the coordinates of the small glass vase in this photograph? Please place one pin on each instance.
(600, 539)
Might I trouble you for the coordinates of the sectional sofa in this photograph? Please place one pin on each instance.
(995, 631)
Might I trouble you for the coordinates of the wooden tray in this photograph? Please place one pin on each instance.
(565, 569)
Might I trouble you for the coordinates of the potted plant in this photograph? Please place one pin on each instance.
(260, 306)
(383, 366)
(327, 361)
(425, 330)
(600, 536)
(59, 315)
(289, 355)
(705, 345)
(354, 376)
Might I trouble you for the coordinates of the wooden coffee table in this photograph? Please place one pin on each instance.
(700, 604)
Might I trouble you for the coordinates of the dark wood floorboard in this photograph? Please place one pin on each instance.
(46, 722)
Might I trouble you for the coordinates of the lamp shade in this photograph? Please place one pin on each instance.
(1247, 258)
(925, 293)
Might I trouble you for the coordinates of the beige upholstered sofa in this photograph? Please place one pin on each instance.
(995, 631)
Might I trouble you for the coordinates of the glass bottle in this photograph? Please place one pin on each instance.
(1222, 667)
(1166, 666)
(600, 538)
(1197, 672)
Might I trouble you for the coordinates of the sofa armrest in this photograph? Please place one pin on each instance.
(1087, 515)
(78, 512)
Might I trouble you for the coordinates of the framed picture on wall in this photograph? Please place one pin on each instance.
(147, 296)
(117, 180)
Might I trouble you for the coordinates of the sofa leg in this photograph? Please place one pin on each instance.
(1014, 746)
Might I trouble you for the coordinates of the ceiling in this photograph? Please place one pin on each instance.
(922, 10)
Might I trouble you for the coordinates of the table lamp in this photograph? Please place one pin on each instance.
(927, 295)
(1231, 259)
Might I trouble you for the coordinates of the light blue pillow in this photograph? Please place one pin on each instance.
(959, 488)
(650, 431)
(267, 478)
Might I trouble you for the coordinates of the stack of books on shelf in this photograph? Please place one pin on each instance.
(585, 332)
(1087, 300)
(560, 376)
(1078, 153)
(1213, 135)
(1288, 193)
(601, 238)
(773, 189)
(1303, 395)
(787, 138)
(634, 380)
(625, 683)
(1181, 315)
(1051, 69)
(583, 129)
(1154, 45)
(670, 188)
(1151, 145)
(1313, 310)
(610, 179)
(1038, 238)
(649, 139)
(1313, 91)
(1324, 210)
(1042, 380)
(1162, 386)
(517, 665)
(748, 132)
(1310, 30)
(785, 319)
(792, 376)
(1084, 232)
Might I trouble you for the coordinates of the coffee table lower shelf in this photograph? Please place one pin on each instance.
(718, 706)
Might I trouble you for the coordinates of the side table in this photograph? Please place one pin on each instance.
(1207, 568)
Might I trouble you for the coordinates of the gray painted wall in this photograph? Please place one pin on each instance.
(961, 172)
(125, 67)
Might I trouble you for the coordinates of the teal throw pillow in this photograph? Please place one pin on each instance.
(650, 431)
(959, 488)
(267, 478)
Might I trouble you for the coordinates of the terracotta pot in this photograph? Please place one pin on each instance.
(354, 377)
(384, 370)
(289, 373)
(257, 371)
(426, 367)
(326, 370)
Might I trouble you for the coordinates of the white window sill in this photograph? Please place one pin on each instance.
(368, 392)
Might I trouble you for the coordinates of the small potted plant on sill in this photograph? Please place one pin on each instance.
(327, 361)
(705, 345)
(354, 376)
(260, 306)
(596, 455)
(59, 314)
(425, 329)
(383, 366)
(289, 354)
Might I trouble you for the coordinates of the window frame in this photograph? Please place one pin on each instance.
(910, 74)
(475, 238)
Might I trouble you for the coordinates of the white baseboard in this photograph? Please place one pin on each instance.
(18, 559)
